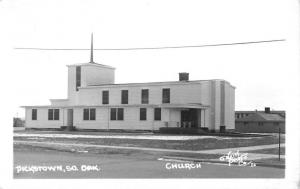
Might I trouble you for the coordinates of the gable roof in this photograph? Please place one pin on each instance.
(261, 117)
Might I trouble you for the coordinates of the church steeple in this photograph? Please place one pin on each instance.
(92, 50)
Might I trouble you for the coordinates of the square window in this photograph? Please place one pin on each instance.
(89, 114)
(53, 114)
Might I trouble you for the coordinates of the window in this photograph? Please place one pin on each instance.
(34, 114)
(113, 114)
(56, 114)
(157, 114)
(166, 96)
(89, 114)
(143, 114)
(105, 97)
(145, 96)
(245, 123)
(53, 114)
(276, 123)
(78, 77)
(124, 97)
(86, 114)
(120, 114)
(92, 114)
(116, 114)
(50, 114)
(260, 123)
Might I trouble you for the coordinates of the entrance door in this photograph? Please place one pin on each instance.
(189, 118)
(70, 117)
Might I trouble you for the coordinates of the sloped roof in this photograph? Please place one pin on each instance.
(261, 117)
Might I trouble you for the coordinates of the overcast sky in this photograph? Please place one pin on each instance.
(263, 74)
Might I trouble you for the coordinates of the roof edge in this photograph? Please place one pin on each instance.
(91, 64)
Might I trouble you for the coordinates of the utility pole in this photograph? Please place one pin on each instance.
(279, 143)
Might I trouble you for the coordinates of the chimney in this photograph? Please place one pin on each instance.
(267, 110)
(183, 76)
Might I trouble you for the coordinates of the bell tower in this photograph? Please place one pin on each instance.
(88, 74)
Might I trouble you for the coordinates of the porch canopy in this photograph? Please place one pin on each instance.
(192, 115)
(185, 106)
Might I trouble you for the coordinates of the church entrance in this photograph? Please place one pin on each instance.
(189, 118)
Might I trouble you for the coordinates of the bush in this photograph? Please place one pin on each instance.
(179, 130)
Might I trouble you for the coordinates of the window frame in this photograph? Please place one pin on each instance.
(166, 95)
(78, 77)
(124, 96)
(116, 114)
(143, 114)
(34, 114)
(120, 114)
(105, 93)
(53, 114)
(113, 114)
(145, 96)
(87, 114)
(155, 114)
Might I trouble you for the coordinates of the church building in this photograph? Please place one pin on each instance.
(95, 101)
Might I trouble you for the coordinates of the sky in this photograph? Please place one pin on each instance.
(264, 74)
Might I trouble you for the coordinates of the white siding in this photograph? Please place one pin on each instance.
(131, 120)
(180, 94)
(42, 119)
(95, 75)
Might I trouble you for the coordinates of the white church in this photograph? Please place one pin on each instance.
(96, 102)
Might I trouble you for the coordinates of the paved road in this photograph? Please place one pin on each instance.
(120, 165)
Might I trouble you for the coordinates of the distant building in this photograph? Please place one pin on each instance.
(18, 122)
(96, 102)
(260, 121)
(240, 114)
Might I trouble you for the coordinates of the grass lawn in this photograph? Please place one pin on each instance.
(109, 151)
(269, 151)
(199, 144)
(274, 161)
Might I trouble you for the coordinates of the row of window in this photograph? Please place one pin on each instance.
(144, 96)
(53, 114)
(90, 114)
(118, 114)
(261, 123)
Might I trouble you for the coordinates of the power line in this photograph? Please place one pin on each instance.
(155, 48)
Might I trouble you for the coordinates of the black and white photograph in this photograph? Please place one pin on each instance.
(148, 93)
